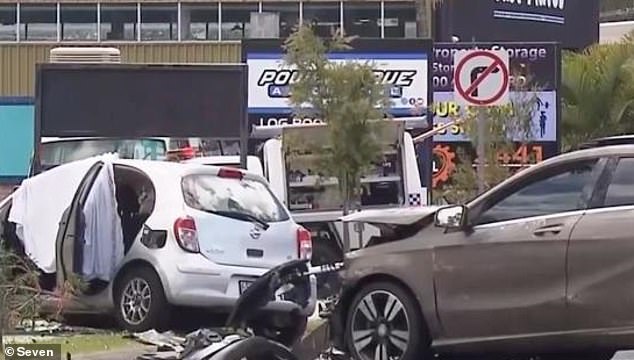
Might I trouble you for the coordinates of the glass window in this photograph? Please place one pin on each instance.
(236, 20)
(310, 189)
(118, 22)
(557, 192)
(400, 19)
(324, 17)
(199, 22)
(230, 196)
(8, 23)
(362, 19)
(288, 16)
(621, 189)
(38, 22)
(61, 152)
(159, 22)
(79, 22)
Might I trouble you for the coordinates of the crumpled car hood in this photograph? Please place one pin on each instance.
(397, 216)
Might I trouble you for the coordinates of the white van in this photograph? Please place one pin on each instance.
(254, 165)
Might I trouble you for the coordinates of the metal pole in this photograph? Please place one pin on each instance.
(481, 150)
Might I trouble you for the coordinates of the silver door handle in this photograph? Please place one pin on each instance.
(556, 229)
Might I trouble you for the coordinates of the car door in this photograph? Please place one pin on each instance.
(506, 274)
(601, 255)
(68, 241)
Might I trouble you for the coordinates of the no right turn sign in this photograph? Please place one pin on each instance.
(481, 78)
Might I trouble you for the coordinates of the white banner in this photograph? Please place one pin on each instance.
(406, 74)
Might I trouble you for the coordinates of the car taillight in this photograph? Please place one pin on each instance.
(304, 244)
(187, 153)
(230, 173)
(186, 234)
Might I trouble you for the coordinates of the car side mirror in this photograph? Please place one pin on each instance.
(451, 217)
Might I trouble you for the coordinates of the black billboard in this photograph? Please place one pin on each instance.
(124, 100)
(573, 23)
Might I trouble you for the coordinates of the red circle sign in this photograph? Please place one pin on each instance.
(466, 93)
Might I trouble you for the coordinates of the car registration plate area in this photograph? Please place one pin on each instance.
(244, 285)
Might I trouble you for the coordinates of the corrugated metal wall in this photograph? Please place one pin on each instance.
(17, 61)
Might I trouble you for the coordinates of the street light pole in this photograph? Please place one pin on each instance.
(481, 150)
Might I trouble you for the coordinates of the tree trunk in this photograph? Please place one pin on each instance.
(346, 211)
(346, 227)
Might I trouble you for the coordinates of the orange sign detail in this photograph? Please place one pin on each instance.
(444, 164)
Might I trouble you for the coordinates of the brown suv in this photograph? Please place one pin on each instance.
(542, 264)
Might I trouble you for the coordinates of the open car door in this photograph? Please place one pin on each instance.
(68, 242)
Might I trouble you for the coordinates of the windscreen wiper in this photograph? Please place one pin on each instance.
(241, 216)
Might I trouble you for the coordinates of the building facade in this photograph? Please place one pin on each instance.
(175, 31)
(198, 21)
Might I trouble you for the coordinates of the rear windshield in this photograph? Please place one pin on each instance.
(215, 194)
(62, 152)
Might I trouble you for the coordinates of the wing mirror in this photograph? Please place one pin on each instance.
(451, 217)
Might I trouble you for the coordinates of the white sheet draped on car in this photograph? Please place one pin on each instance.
(103, 236)
(39, 203)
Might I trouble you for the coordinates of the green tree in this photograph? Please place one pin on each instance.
(597, 92)
(348, 98)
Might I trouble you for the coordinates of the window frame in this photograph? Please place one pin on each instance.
(488, 200)
(600, 197)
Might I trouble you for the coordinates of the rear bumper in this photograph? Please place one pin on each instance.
(194, 281)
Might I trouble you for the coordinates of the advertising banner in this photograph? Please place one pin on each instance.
(534, 76)
(402, 64)
(405, 74)
(573, 23)
(544, 126)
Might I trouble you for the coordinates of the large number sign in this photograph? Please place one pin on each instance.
(446, 156)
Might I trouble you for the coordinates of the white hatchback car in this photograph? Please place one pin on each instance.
(191, 235)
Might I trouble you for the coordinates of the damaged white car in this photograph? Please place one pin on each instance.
(144, 235)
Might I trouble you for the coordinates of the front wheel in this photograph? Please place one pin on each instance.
(384, 323)
(140, 302)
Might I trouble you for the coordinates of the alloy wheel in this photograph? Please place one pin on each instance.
(136, 301)
(380, 327)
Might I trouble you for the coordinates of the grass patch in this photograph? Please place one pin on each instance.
(85, 344)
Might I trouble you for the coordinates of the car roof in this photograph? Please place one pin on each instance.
(167, 168)
(600, 151)
(45, 140)
(216, 159)
(609, 140)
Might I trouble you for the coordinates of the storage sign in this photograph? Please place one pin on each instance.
(405, 76)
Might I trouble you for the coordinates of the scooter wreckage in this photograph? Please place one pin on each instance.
(250, 332)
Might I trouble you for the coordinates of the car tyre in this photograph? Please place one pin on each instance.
(383, 317)
(140, 302)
